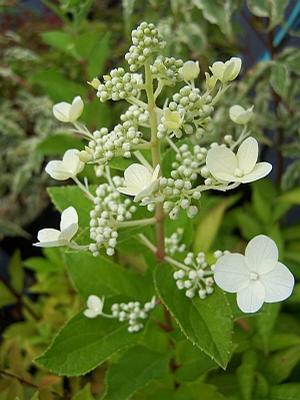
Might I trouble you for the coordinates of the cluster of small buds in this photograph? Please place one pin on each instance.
(135, 115)
(110, 209)
(118, 142)
(196, 276)
(173, 243)
(196, 109)
(166, 70)
(133, 313)
(145, 41)
(119, 85)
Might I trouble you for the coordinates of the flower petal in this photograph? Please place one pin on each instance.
(71, 162)
(94, 303)
(90, 313)
(61, 111)
(231, 272)
(261, 254)
(67, 233)
(68, 217)
(155, 173)
(56, 170)
(260, 170)
(48, 237)
(232, 68)
(137, 177)
(278, 283)
(76, 109)
(221, 163)
(251, 298)
(218, 69)
(247, 155)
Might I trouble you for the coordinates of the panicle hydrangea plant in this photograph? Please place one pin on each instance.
(152, 124)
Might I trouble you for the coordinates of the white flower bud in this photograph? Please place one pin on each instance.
(190, 70)
(239, 115)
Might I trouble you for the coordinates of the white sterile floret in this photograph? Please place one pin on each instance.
(140, 181)
(68, 228)
(66, 168)
(190, 70)
(242, 167)
(66, 112)
(256, 277)
(227, 71)
(239, 115)
(94, 306)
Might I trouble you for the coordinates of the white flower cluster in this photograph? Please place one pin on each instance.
(110, 209)
(194, 110)
(173, 243)
(119, 85)
(107, 145)
(135, 115)
(166, 70)
(196, 276)
(133, 313)
(145, 42)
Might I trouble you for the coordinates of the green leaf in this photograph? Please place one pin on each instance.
(278, 8)
(291, 197)
(209, 225)
(265, 323)
(192, 362)
(281, 364)
(246, 374)
(217, 12)
(61, 41)
(279, 79)
(206, 323)
(133, 370)
(260, 8)
(84, 394)
(6, 297)
(287, 391)
(102, 277)
(261, 199)
(98, 57)
(85, 343)
(56, 85)
(66, 196)
(58, 144)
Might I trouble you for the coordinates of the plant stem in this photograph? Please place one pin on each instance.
(159, 213)
(137, 222)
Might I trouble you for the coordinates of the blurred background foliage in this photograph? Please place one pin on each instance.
(48, 51)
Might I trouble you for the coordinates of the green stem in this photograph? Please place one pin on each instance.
(137, 222)
(155, 151)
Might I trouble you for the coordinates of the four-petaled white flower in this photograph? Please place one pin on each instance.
(239, 115)
(227, 71)
(66, 112)
(94, 306)
(66, 168)
(190, 70)
(256, 277)
(49, 237)
(242, 167)
(140, 181)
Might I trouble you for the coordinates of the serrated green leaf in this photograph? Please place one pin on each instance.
(206, 323)
(102, 277)
(133, 370)
(66, 196)
(85, 343)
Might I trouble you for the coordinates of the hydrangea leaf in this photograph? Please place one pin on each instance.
(85, 343)
(134, 370)
(206, 323)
